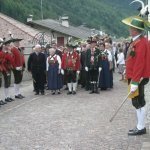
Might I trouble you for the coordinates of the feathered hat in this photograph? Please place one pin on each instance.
(137, 22)
(72, 43)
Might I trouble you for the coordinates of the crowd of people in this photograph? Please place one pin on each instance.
(90, 63)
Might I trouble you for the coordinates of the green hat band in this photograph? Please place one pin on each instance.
(137, 23)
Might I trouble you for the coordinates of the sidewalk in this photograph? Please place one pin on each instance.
(146, 141)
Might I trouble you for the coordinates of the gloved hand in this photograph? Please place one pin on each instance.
(62, 71)
(133, 88)
(78, 72)
(19, 68)
(86, 69)
(99, 69)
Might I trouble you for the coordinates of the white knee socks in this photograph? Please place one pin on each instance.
(141, 118)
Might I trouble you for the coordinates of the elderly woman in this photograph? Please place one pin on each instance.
(54, 73)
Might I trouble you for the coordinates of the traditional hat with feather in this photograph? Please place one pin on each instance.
(72, 43)
(137, 22)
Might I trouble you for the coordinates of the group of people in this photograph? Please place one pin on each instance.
(11, 60)
(89, 64)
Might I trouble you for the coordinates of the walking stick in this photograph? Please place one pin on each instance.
(119, 107)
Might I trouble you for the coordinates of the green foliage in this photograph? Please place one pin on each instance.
(100, 14)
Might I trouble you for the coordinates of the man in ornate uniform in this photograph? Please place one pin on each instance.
(138, 68)
(93, 65)
(19, 64)
(71, 66)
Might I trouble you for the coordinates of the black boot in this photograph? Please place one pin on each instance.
(92, 88)
(96, 88)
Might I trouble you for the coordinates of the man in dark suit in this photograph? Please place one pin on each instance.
(37, 66)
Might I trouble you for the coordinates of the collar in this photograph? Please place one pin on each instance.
(37, 53)
(136, 37)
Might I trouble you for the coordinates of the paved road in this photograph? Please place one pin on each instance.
(62, 122)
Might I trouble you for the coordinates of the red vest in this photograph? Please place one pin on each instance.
(71, 61)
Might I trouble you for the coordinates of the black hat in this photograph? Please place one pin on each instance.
(91, 40)
(7, 42)
(10, 41)
(16, 40)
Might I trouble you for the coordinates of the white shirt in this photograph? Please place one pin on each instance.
(58, 59)
(120, 57)
(136, 37)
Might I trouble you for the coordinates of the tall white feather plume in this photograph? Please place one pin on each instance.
(142, 3)
(143, 9)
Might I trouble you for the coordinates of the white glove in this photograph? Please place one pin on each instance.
(99, 69)
(18, 68)
(62, 71)
(78, 72)
(86, 69)
(133, 88)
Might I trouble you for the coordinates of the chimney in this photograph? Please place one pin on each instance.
(64, 21)
(29, 19)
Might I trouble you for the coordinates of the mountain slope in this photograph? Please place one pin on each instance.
(105, 15)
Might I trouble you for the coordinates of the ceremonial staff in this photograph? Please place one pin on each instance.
(119, 107)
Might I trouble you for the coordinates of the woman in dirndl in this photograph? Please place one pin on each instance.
(104, 78)
(54, 73)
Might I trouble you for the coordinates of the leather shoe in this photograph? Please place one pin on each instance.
(53, 93)
(42, 93)
(11, 99)
(21, 96)
(74, 92)
(2, 102)
(58, 92)
(69, 93)
(7, 100)
(18, 96)
(91, 92)
(132, 129)
(136, 131)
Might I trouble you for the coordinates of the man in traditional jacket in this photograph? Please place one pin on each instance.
(37, 67)
(71, 67)
(93, 65)
(138, 68)
(19, 64)
(9, 65)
